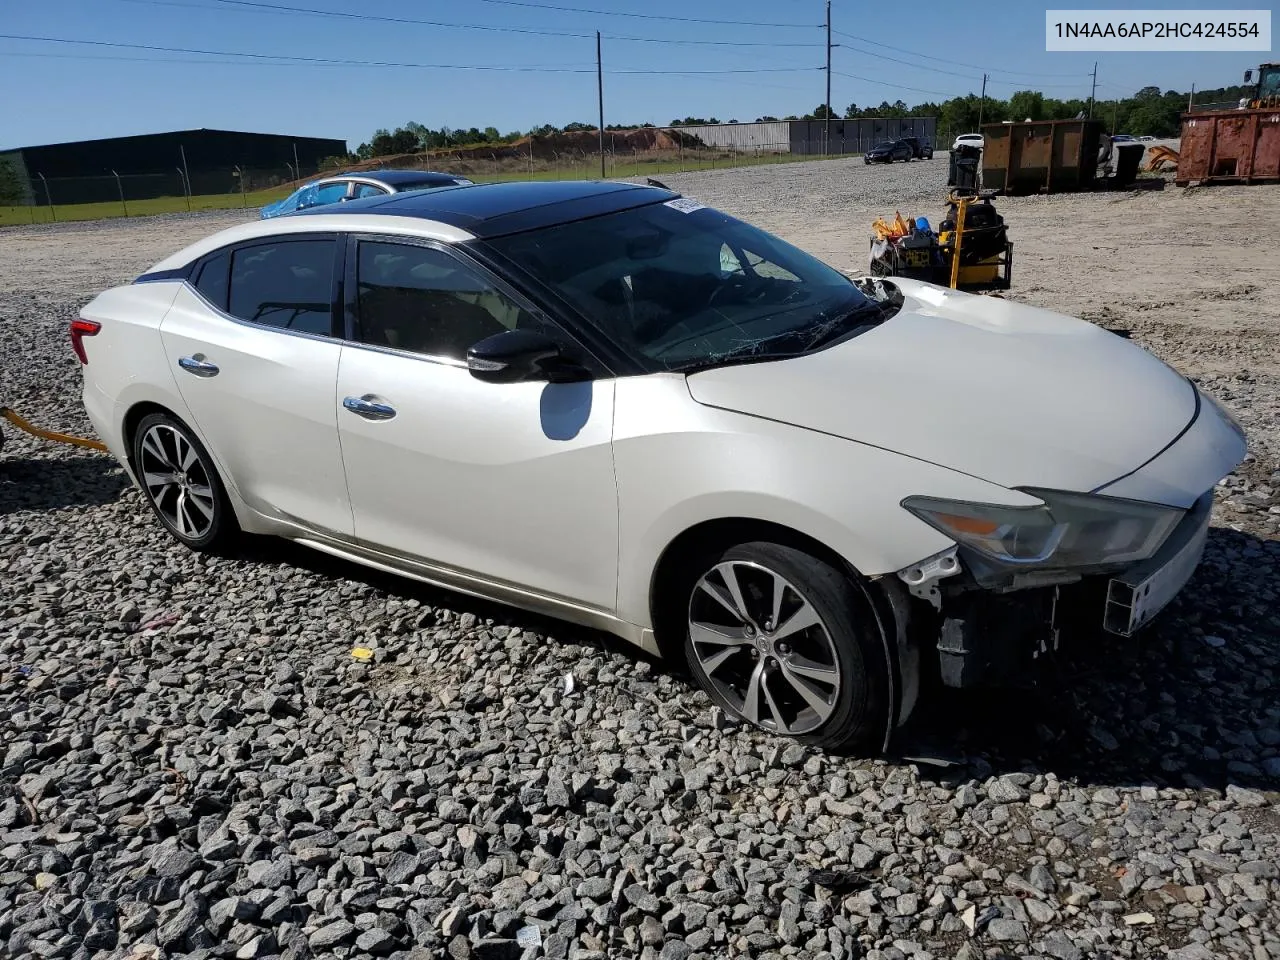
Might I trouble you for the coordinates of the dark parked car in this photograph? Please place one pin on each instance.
(888, 152)
(920, 149)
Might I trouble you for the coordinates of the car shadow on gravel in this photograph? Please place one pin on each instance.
(1171, 707)
(276, 551)
(1191, 702)
(52, 484)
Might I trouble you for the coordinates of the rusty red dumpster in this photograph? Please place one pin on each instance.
(1230, 146)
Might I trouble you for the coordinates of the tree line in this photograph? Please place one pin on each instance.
(1149, 112)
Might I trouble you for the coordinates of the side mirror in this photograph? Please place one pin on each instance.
(515, 356)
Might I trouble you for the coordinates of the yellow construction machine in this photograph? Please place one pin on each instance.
(970, 251)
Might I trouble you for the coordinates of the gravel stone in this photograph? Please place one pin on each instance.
(332, 934)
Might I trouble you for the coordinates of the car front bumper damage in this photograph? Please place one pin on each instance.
(986, 635)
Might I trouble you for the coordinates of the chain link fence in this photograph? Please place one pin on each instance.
(645, 152)
(48, 199)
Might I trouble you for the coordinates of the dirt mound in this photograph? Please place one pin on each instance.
(542, 148)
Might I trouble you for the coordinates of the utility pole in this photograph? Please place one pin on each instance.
(1093, 89)
(1115, 111)
(600, 93)
(186, 175)
(982, 102)
(295, 160)
(826, 130)
(1191, 98)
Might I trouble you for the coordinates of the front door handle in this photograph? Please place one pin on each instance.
(198, 366)
(369, 408)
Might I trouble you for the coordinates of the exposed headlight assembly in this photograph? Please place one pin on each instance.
(1068, 531)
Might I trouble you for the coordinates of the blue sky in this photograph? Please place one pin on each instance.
(61, 91)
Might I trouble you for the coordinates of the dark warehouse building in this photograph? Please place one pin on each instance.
(82, 171)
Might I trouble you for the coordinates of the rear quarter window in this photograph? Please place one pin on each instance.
(286, 284)
(212, 277)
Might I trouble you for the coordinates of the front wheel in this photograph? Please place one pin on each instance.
(181, 484)
(789, 643)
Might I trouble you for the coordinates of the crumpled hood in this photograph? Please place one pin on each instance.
(1012, 394)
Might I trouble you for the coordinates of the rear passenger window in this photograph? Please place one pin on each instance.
(287, 284)
(211, 281)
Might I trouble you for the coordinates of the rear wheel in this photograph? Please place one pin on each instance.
(181, 484)
(787, 642)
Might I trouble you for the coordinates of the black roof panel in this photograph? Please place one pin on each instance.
(494, 209)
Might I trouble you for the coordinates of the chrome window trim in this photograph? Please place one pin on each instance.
(335, 237)
(340, 341)
(344, 237)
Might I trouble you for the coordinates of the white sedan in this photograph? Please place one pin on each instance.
(614, 405)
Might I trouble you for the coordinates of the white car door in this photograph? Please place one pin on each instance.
(253, 350)
(512, 483)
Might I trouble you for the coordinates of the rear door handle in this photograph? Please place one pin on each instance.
(369, 408)
(201, 368)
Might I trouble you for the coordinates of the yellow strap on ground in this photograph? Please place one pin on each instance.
(35, 431)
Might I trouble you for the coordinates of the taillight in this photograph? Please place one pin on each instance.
(79, 330)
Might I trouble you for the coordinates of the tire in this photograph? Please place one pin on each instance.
(840, 700)
(191, 503)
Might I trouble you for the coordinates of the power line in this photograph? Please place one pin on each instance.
(954, 73)
(958, 63)
(885, 83)
(248, 6)
(123, 59)
(256, 6)
(266, 57)
(298, 59)
(646, 16)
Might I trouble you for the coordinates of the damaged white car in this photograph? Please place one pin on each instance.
(612, 404)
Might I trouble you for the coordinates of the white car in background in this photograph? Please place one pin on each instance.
(612, 404)
(969, 140)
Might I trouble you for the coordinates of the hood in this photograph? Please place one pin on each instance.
(1012, 394)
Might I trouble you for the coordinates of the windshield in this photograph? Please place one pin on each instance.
(680, 285)
(1269, 82)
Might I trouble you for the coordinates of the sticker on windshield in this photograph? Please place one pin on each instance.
(685, 205)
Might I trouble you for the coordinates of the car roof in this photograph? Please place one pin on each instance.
(495, 209)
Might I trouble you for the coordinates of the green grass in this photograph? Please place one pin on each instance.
(587, 170)
(11, 216)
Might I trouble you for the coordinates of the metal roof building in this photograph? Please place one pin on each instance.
(205, 160)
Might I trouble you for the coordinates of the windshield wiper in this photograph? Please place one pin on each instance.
(811, 338)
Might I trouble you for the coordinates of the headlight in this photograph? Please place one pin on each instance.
(1067, 531)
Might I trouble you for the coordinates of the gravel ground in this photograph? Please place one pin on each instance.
(193, 765)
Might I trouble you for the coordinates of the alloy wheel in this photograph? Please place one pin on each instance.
(177, 481)
(763, 647)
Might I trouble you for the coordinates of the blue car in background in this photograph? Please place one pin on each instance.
(356, 186)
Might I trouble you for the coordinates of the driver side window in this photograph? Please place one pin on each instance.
(330, 193)
(427, 301)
